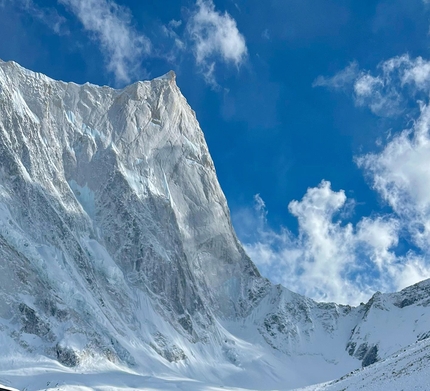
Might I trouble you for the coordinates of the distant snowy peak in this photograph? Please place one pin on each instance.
(390, 322)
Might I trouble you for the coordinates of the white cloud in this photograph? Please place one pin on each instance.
(215, 36)
(417, 72)
(329, 259)
(375, 93)
(379, 235)
(341, 79)
(208, 72)
(366, 85)
(179, 43)
(175, 23)
(400, 174)
(387, 93)
(415, 269)
(209, 36)
(110, 23)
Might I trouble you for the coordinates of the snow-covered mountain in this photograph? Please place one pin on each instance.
(117, 256)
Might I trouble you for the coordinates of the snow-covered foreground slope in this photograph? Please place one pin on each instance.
(57, 379)
(118, 259)
(406, 370)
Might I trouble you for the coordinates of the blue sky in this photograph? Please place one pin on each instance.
(315, 113)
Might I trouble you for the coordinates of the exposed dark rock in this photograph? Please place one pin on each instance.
(167, 350)
(350, 348)
(32, 324)
(415, 294)
(186, 323)
(361, 351)
(371, 356)
(423, 336)
(66, 356)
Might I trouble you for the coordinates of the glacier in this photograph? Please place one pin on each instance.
(120, 268)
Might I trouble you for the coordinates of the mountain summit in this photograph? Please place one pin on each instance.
(117, 254)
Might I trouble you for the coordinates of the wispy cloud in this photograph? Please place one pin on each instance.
(123, 47)
(215, 37)
(340, 80)
(207, 35)
(330, 259)
(47, 15)
(177, 45)
(266, 34)
(386, 93)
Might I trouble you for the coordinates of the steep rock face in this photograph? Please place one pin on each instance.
(106, 193)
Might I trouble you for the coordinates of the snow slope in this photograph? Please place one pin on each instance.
(118, 259)
(406, 370)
